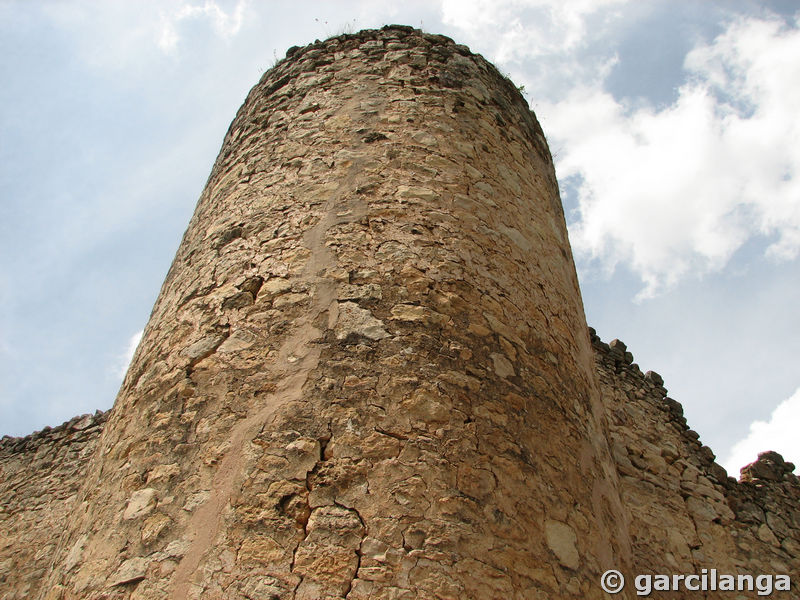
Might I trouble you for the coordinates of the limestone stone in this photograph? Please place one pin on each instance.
(765, 535)
(561, 539)
(502, 366)
(240, 339)
(75, 553)
(203, 347)
(369, 292)
(276, 285)
(421, 314)
(130, 571)
(153, 526)
(163, 472)
(140, 503)
(353, 319)
(420, 193)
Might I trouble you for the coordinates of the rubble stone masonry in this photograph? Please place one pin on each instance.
(368, 375)
(686, 514)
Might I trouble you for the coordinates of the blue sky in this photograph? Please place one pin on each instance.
(673, 126)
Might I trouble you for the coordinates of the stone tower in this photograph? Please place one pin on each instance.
(368, 376)
(368, 373)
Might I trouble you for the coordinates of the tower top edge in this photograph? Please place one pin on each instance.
(382, 40)
(387, 32)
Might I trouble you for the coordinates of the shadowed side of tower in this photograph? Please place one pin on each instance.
(368, 373)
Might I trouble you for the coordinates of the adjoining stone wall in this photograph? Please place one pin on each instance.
(686, 514)
(39, 477)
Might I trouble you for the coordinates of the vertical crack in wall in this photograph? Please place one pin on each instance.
(323, 443)
(358, 553)
(205, 522)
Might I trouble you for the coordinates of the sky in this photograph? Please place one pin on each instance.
(673, 126)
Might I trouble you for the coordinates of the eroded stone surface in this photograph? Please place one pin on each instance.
(368, 375)
(141, 503)
(40, 476)
(685, 513)
(669, 496)
(356, 321)
(562, 541)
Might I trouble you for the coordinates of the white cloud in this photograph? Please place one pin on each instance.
(675, 192)
(778, 434)
(526, 28)
(225, 25)
(107, 35)
(125, 358)
(546, 45)
(121, 36)
(756, 64)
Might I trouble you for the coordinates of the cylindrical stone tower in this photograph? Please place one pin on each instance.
(368, 373)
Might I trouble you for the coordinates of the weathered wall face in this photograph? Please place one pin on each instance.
(39, 478)
(367, 374)
(686, 514)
